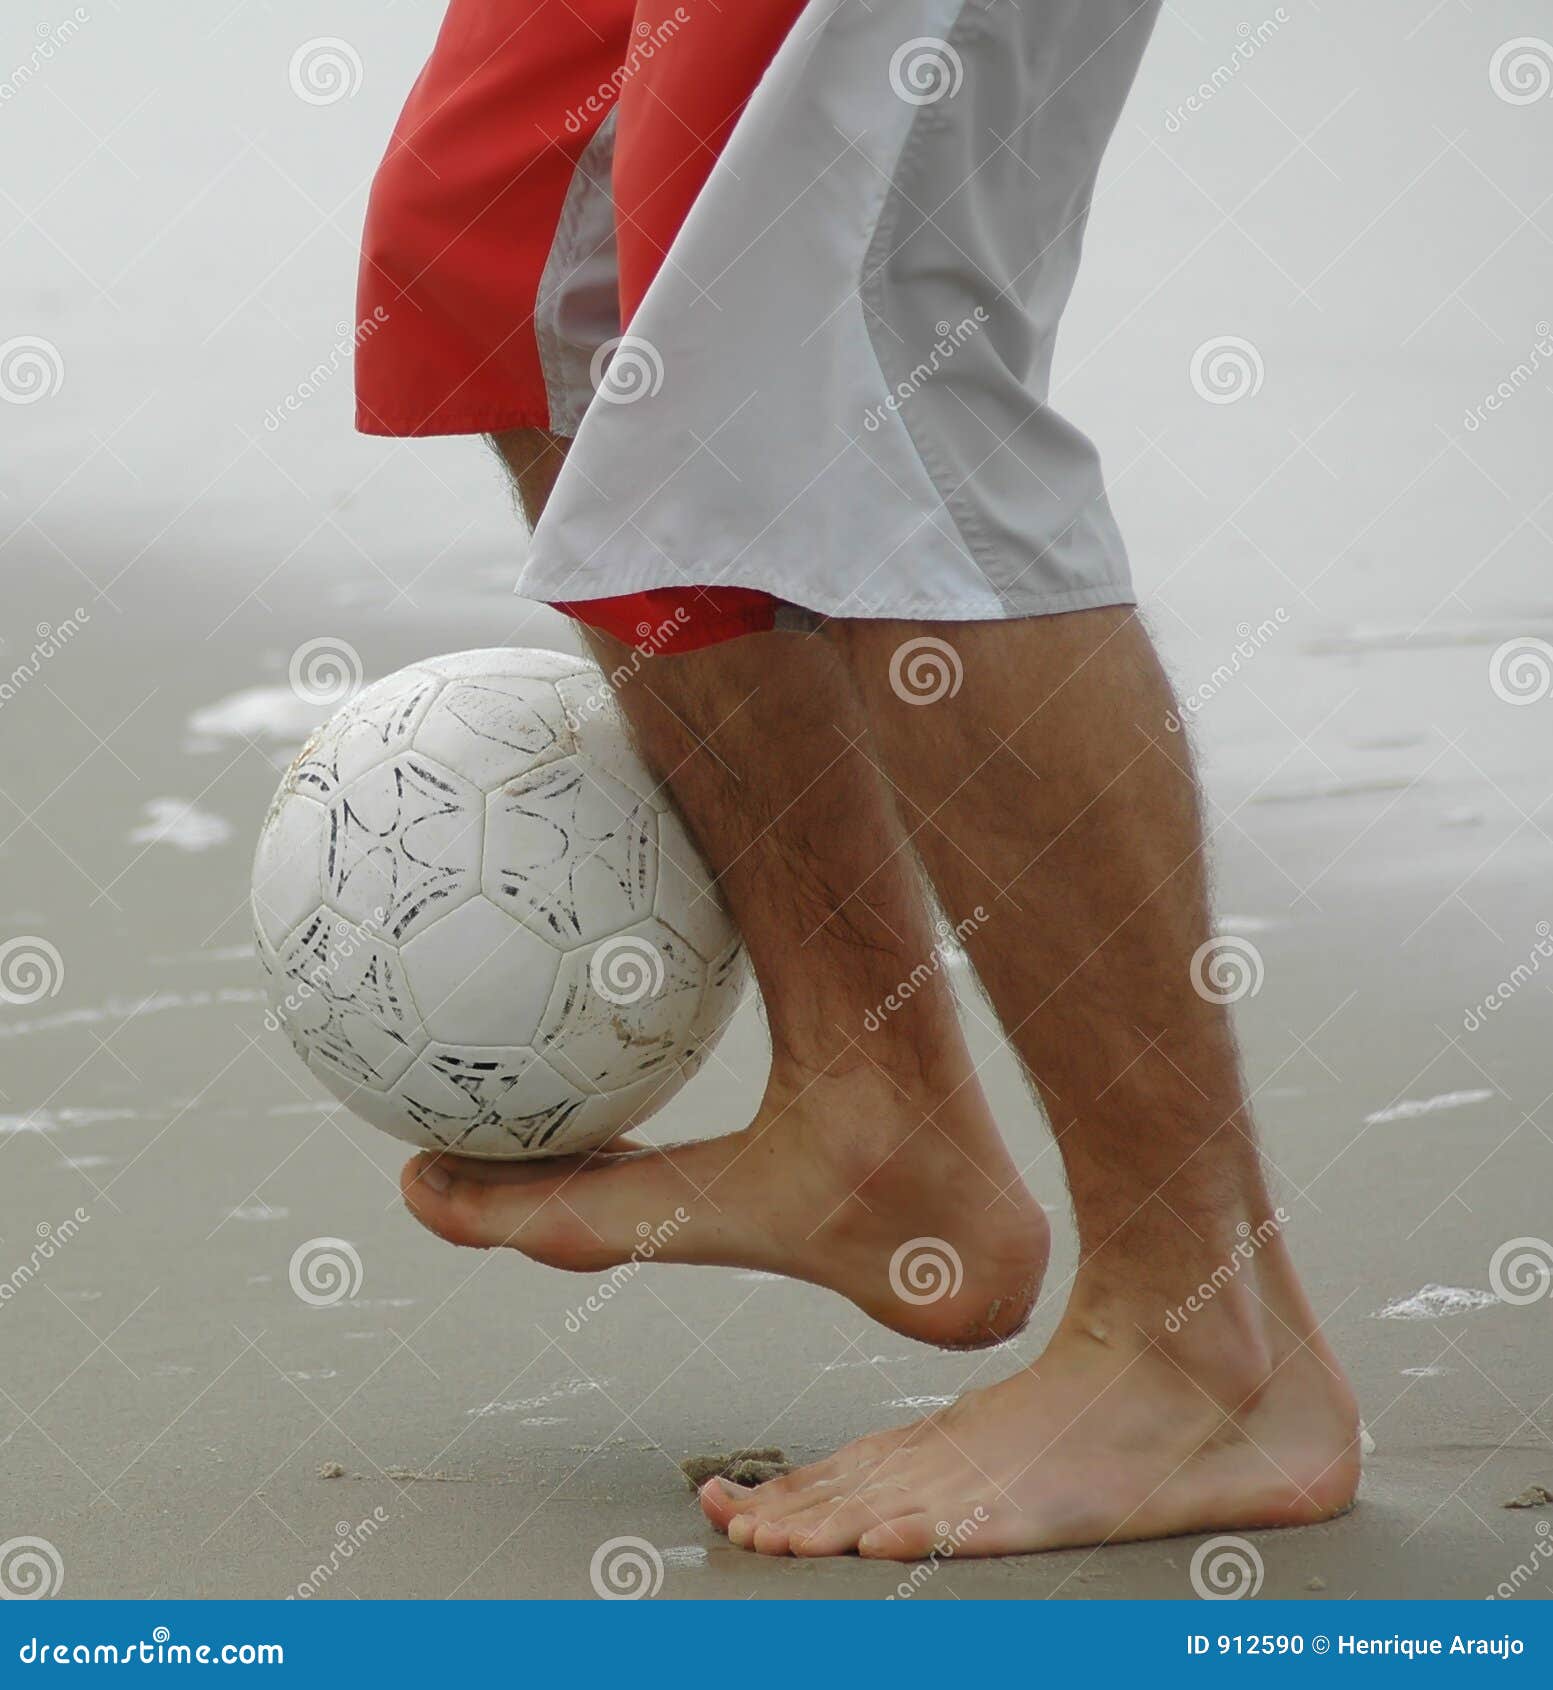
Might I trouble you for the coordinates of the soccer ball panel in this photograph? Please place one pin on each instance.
(571, 853)
(726, 980)
(287, 864)
(621, 1010)
(480, 977)
(484, 926)
(495, 729)
(377, 724)
(599, 730)
(404, 846)
(499, 1103)
(343, 999)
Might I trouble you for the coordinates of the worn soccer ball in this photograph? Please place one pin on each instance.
(484, 926)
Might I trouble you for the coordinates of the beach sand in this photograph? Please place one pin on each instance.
(1380, 816)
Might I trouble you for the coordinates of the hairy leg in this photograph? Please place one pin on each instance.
(1045, 788)
(873, 1133)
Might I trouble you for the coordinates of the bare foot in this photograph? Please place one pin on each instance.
(1106, 1437)
(912, 1209)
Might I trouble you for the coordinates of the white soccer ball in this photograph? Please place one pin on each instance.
(483, 923)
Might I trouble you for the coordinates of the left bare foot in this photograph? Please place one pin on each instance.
(1106, 1437)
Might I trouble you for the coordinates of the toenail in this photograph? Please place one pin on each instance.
(434, 1176)
(735, 1493)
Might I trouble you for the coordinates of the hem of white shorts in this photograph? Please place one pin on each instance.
(1011, 607)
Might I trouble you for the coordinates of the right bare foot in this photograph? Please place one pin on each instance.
(909, 1206)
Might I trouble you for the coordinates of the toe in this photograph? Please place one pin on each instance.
(910, 1538)
(834, 1528)
(722, 1500)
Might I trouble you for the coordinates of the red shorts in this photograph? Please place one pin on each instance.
(477, 256)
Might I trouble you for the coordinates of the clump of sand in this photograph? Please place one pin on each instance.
(1534, 1496)
(741, 1466)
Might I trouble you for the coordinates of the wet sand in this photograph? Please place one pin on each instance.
(1380, 816)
